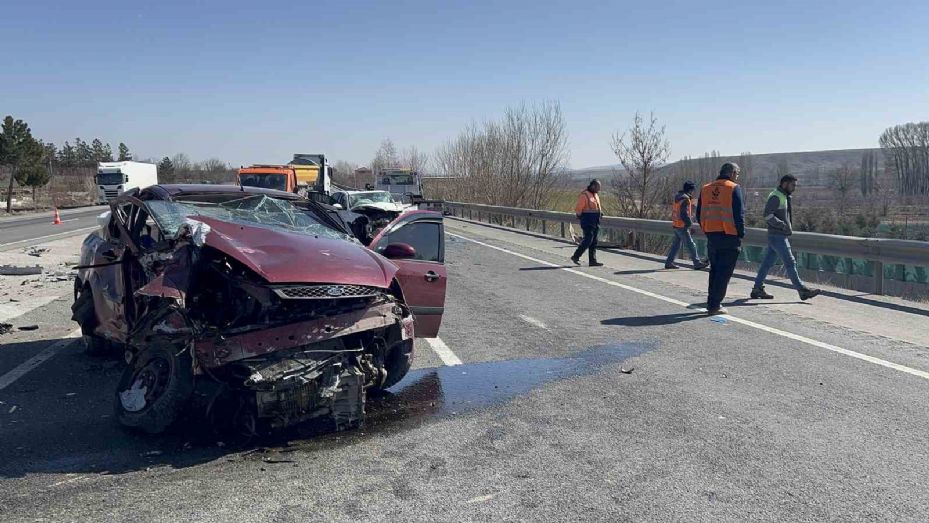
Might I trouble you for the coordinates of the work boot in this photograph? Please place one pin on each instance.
(806, 294)
(699, 265)
(671, 266)
(595, 263)
(717, 310)
(576, 261)
(758, 293)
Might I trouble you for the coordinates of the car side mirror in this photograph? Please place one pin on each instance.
(399, 251)
(337, 206)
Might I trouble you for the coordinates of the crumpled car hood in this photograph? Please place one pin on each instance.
(381, 206)
(287, 257)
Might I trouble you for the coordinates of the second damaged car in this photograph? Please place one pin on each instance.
(262, 294)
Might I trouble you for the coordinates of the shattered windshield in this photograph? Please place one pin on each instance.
(255, 210)
(371, 197)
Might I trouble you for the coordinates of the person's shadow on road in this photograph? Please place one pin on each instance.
(654, 320)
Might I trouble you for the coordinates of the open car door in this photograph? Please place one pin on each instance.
(415, 242)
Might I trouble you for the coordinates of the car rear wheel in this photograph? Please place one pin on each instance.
(154, 389)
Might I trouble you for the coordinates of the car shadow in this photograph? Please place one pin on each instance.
(63, 422)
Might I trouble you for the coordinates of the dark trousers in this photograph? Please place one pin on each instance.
(589, 243)
(723, 254)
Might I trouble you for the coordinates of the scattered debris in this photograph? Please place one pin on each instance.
(36, 251)
(19, 270)
(5, 328)
(480, 499)
(68, 395)
(624, 370)
(272, 460)
(152, 453)
(12, 409)
(31, 327)
(719, 319)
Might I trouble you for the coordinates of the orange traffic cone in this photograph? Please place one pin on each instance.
(57, 220)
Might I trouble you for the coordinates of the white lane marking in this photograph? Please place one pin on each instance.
(748, 323)
(70, 220)
(13, 310)
(66, 481)
(532, 321)
(75, 231)
(23, 368)
(445, 354)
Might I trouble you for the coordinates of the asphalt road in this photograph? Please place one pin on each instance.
(584, 394)
(19, 232)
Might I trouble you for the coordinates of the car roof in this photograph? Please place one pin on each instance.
(173, 190)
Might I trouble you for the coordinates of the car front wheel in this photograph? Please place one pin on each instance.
(154, 388)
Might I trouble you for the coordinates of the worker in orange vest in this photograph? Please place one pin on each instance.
(721, 216)
(681, 211)
(588, 211)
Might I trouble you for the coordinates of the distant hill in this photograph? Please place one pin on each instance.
(813, 168)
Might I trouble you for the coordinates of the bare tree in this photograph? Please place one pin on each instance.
(386, 156)
(906, 149)
(842, 180)
(641, 150)
(516, 161)
(343, 173)
(414, 159)
(747, 167)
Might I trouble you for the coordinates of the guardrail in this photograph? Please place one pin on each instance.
(879, 251)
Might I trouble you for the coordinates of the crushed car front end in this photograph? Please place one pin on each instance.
(280, 313)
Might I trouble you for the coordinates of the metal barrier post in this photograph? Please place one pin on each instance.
(878, 277)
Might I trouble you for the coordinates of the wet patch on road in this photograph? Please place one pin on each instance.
(424, 396)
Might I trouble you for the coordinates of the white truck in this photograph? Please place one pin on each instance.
(115, 178)
(404, 184)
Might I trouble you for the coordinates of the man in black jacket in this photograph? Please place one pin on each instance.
(778, 216)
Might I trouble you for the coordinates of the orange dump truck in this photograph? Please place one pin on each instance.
(301, 176)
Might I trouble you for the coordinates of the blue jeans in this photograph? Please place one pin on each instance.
(682, 236)
(778, 247)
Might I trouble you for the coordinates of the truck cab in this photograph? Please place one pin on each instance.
(277, 177)
(404, 184)
(115, 178)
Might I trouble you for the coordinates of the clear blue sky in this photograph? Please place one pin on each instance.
(254, 81)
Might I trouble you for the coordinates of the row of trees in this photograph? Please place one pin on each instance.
(906, 149)
(180, 169)
(31, 162)
(516, 161)
(83, 154)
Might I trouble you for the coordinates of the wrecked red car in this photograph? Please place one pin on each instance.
(263, 292)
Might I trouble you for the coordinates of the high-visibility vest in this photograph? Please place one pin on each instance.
(676, 220)
(587, 202)
(716, 207)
